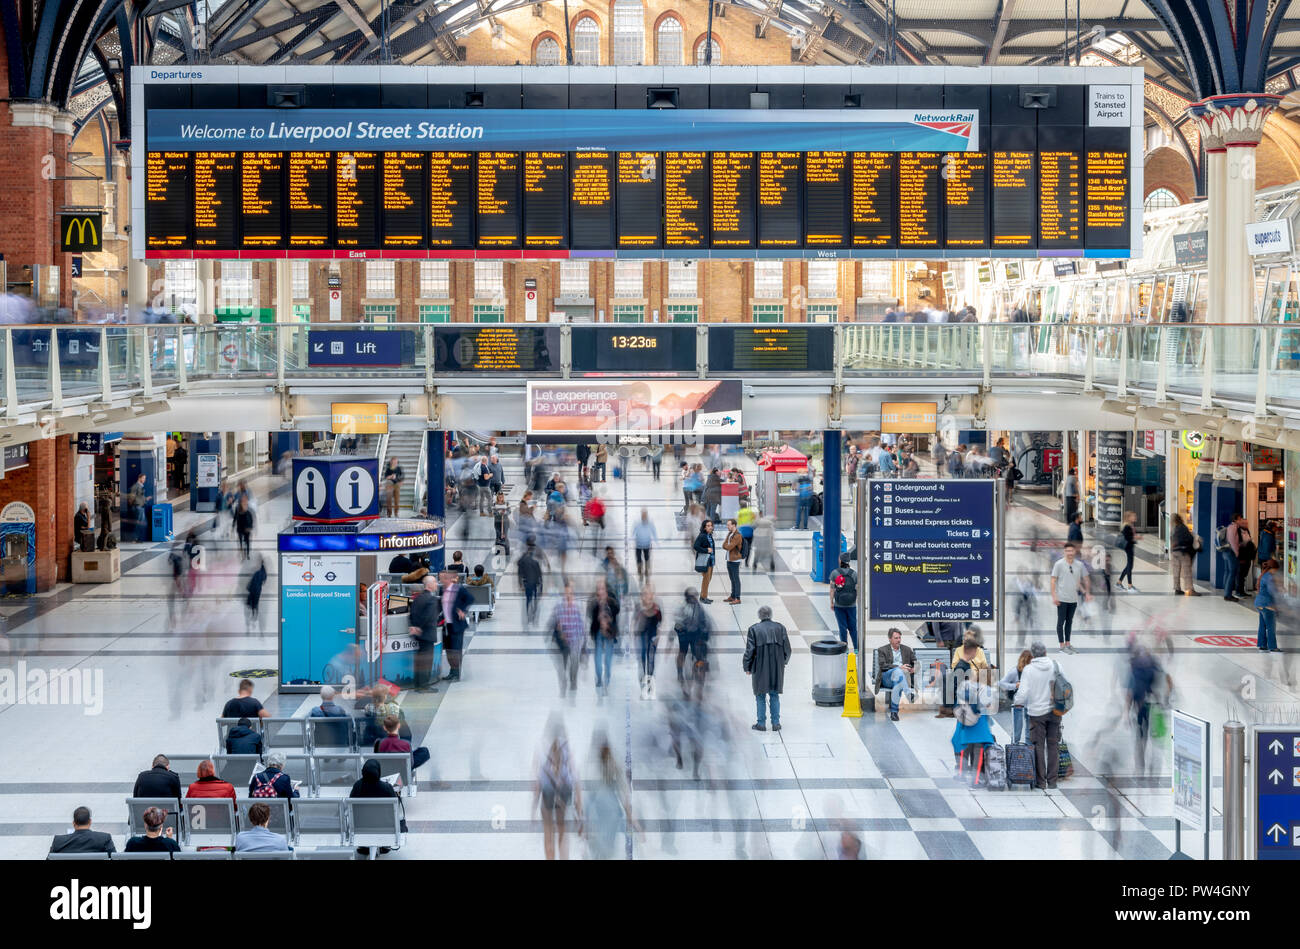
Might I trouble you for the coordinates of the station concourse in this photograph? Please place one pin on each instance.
(338, 347)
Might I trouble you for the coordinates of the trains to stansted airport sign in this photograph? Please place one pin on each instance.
(973, 171)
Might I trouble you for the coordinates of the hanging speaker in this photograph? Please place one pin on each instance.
(1037, 97)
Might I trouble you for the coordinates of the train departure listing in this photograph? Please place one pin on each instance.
(779, 200)
(591, 200)
(498, 199)
(166, 181)
(685, 199)
(216, 187)
(826, 177)
(261, 202)
(309, 202)
(545, 188)
(920, 179)
(356, 215)
(1106, 213)
(732, 186)
(1058, 199)
(451, 199)
(874, 199)
(1014, 199)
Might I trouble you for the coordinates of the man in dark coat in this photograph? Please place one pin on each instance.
(158, 781)
(530, 578)
(243, 739)
(426, 610)
(456, 601)
(767, 651)
(83, 839)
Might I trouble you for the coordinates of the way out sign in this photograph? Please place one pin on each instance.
(1274, 831)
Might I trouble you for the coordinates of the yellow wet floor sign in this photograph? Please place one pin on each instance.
(852, 704)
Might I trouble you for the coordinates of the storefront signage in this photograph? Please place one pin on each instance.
(1192, 249)
(359, 418)
(1269, 237)
(1192, 442)
(1263, 457)
(908, 418)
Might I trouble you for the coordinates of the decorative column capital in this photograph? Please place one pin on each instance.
(1233, 120)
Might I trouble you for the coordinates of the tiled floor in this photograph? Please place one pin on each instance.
(786, 795)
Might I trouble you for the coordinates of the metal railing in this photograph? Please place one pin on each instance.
(46, 367)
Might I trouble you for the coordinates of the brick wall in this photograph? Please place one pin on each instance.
(1166, 167)
(47, 485)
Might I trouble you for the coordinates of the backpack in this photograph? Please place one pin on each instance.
(1062, 692)
(967, 711)
(1221, 538)
(265, 786)
(846, 588)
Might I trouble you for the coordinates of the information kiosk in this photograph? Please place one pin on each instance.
(778, 484)
(342, 613)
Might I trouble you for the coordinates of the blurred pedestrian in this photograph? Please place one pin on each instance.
(556, 786)
(602, 616)
(1266, 601)
(763, 547)
(253, 596)
(1128, 544)
(608, 810)
(646, 621)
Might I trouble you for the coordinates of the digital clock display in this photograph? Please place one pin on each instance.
(661, 349)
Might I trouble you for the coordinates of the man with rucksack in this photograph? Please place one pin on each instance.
(1036, 693)
(844, 600)
(1227, 542)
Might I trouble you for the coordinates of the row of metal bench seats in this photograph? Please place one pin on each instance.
(209, 821)
(318, 853)
(334, 770)
(300, 734)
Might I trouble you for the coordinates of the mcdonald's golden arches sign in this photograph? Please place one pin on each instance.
(80, 233)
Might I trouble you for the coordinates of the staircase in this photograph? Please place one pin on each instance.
(406, 445)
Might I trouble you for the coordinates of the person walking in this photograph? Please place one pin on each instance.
(1035, 694)
(501, 523)
(656, 461)
(844, 600)
(704, 551)
(456, 602)
(647, 620)
(732, 544)
(763, 548)
(1069, 581)
(253, 597)
(556, 786)
(602, 615)
(1075, 532)
(644, 536)
(1070, 494)
(767, 652)
(745, 519)
(393, 477)
(137, 503)
(244, 523)
(1246, 551)
(1182, 548)
(609, 807)
(1266, 603)
(569, 633)
(692, 628)
(425, 614)
(530, 581)
(1128, 544)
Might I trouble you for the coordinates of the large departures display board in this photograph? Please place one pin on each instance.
(722, 182)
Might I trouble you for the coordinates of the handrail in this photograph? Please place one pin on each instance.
(1251, 364)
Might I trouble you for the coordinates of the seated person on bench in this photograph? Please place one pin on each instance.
(392, 744)
(896, 663)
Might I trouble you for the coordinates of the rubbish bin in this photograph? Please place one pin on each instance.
(828, 671)
(161, 522)
(816, 572)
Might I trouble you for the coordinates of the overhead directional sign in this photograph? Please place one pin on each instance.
(354, 348)
(1277, 792)
(931, 554)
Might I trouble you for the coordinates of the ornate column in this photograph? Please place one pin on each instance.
(1214, 179)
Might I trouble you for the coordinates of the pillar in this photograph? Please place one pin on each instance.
(205, 287)
(832, 480)
(435, 450)
(46, 485)
(137, 290)
(284, 291)
(27, 167)
(204, 497)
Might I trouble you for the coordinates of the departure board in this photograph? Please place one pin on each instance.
(826, 184)
(1058, 200)
(451, 199)
(873, 199)
(496, 349)
(216, 192)
(546, 184)
(309, 199)
(920, 186)
(403, 199)
(686, 197)
(261, 199)
(786, 346)
(639, 199)
(166, 198)
(628, 349)
(356, 199)
(731, 183)
(591, 200)
(1106, 213)
(965, 211)
(779, 199)
(499, 220)
(1015, 215)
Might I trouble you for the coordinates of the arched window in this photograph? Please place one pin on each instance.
(700, 48)
(547, 53)
(586, 42)
(668, 42)
(1160, 198)
(629, 33)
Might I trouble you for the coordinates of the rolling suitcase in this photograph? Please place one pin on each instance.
(995, 768)
(1020, 767)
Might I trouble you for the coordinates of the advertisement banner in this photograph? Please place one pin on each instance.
(376, 615)
(707, 409)
(876, 130)
(207, 470)
(1191, 780)
(1192, 249)
(359, 418)
(908, 418)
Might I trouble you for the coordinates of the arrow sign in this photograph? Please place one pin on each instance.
(1275, 831)
(1275, 776)
(877, 521)
(318, 348)
(1276, 747)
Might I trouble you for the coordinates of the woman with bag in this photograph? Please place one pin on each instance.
(1266, 603)
(1182, 547)
(554, 788)
(972, 730)
(1128, 544)
(704, 551)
